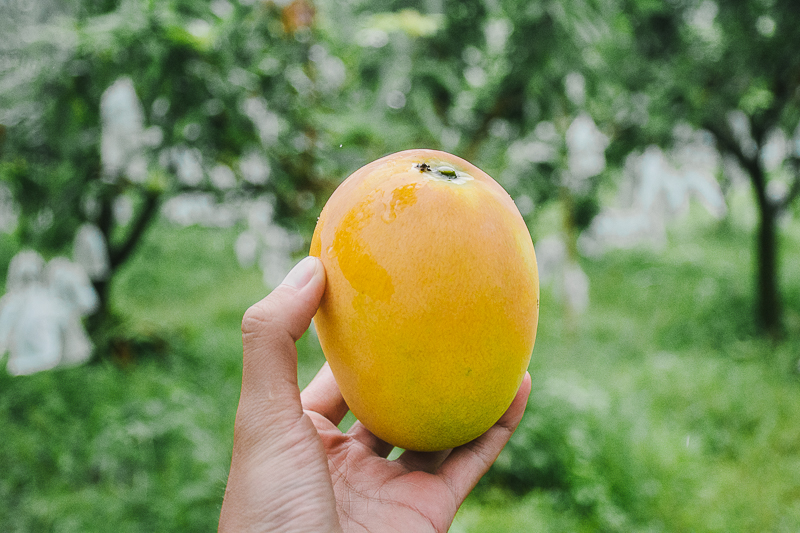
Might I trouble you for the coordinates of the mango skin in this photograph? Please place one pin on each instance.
(431, 306)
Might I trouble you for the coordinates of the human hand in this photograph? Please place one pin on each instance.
(293, 470)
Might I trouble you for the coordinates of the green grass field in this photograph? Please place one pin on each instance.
(659, 410)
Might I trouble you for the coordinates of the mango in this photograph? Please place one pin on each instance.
(429, 315)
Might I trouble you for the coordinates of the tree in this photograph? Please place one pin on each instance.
(731, 68)
(479, 78)
(285, 101)
(219, 98)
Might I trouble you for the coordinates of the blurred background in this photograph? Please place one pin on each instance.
(162, 166)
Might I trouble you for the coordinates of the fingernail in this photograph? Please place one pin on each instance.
(302, 273)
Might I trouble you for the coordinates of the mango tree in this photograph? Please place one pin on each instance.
(731, 68)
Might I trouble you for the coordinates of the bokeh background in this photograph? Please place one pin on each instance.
(162, 165)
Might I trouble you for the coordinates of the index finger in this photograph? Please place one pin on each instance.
(322, 396)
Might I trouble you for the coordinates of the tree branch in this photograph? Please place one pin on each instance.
(794, 188)
(751, 165)
(120, 254)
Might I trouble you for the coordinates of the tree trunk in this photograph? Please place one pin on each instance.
(768, 304)
(120, 253)
(769, 315)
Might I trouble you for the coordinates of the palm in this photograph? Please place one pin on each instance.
(376, 494)
(416, 492)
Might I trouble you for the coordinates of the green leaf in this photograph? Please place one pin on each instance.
(757, 98)
(408, 21)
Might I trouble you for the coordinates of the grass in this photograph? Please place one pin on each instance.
(658, 410)
(141, 440)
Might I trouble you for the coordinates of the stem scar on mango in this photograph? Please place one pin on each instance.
(446, 172)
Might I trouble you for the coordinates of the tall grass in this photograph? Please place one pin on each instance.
(140, 440)
(659, 410)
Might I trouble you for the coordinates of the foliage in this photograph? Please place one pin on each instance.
(305, 93)
(308, 96)
(481, 83)
(731, 68)
(213, 91)
(652, 416)
(661, 403)
(662, 410)
(140, 441)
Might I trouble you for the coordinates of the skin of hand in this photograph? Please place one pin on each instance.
(293, 470)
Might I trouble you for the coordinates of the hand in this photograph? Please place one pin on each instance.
(292, 470)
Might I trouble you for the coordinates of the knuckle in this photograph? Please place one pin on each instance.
(257, 318)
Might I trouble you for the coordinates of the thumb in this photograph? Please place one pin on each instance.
(270, 329)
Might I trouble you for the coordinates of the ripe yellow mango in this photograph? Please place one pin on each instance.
(432, 301)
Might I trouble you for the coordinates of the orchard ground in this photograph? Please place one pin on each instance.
(658, 410)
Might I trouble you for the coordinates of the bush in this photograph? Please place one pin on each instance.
(574, 444)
